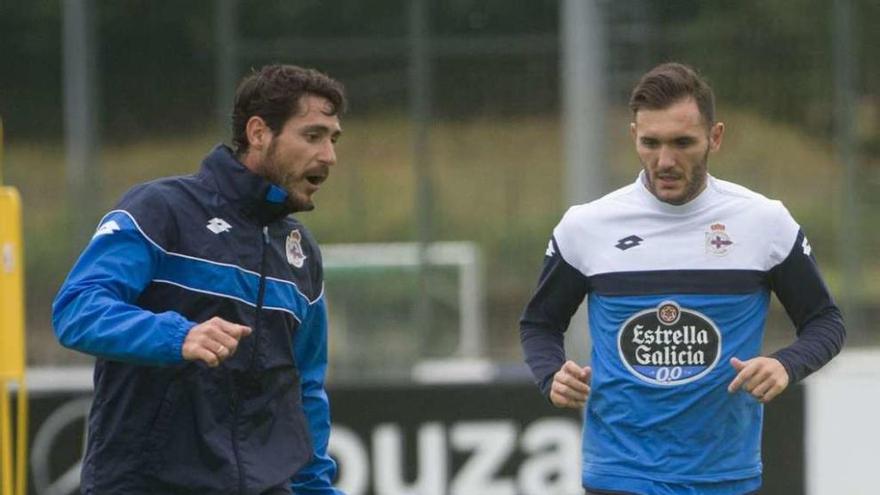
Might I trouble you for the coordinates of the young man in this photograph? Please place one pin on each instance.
(677, 268)
(202, 300)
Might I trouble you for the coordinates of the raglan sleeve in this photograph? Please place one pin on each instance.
(310, 352)
(95, 310)
(560, 290)
(800, 288)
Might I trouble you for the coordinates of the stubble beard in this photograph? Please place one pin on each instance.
(698, 181)
(272, 171)
(692, 188)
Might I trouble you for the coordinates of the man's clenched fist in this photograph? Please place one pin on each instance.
(571, 385)
(213, 341)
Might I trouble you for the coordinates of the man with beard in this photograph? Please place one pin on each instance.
(202, 300)
(677, 269)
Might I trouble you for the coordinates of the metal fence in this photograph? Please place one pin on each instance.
(477, 121)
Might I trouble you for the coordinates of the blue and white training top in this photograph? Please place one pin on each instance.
(674, 292)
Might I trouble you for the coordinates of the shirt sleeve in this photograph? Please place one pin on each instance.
(561, 289)
(310, 352)
(819, 323)
(95, 310)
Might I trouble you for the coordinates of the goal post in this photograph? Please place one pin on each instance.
(463, 256)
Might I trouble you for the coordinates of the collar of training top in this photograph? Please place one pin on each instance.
(257, 197)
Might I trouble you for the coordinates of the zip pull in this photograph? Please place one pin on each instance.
(266, 235)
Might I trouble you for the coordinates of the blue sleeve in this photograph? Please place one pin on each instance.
(95, 311)
(561, 289)
(310, 352)
(820, 329)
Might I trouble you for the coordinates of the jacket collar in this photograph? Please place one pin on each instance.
(254, 195)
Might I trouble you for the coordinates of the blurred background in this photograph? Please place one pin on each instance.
(476, 122)
(473, 125)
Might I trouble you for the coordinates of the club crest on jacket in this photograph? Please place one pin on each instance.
(294, 250)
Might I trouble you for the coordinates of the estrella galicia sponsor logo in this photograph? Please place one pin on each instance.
(669, 345)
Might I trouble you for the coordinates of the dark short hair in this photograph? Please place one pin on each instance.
(273, 93)
(669, 83)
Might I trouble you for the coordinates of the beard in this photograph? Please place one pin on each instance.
(692, 187)
(272, 170)
(698, 178)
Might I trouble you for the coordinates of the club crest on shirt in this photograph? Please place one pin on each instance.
(718, 242)
(669, 345)
(294, 250)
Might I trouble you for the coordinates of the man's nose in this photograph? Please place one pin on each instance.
(328, 153)
(666, 158)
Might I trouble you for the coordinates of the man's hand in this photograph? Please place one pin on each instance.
(213, 341)
(763, 377)
(571, 386)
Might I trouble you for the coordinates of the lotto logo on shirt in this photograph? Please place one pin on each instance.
(669, 345)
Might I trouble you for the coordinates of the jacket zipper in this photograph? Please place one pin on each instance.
(234, 400)
(261, 293)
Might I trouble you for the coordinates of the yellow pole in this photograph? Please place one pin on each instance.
(13, 467)
(6, 441)
(1, 151)
(21, 440)
(5, 447)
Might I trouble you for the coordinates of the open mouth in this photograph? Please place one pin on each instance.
(668, 177)
(316, 180)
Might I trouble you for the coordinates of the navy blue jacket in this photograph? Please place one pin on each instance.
(176, 252)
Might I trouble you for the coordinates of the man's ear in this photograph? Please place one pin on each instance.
(716, 135)
(258, 133)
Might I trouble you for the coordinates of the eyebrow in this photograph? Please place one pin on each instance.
(678, 137)
(322, 129)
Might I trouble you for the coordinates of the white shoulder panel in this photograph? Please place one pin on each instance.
(728, 227)
(772, 223)
(584, 227)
